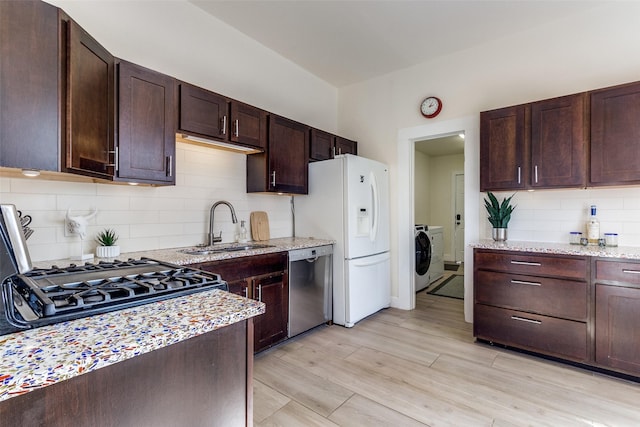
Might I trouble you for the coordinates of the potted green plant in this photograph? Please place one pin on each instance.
(499, 215)
(107, 247)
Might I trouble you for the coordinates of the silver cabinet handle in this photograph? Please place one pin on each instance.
(224, 125)
(535, 171)
(519, 175)
(236, 125)
(260, 293)
(334, 151)
(116, 160)
(534, 264)
(340, 150)
(246, 292)
(524, 319)
(273, 178)
(522, 282)
(631, 271)
(169, 166)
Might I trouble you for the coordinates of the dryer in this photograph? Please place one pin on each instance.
(429, 248)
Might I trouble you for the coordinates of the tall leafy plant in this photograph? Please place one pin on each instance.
(499, 213)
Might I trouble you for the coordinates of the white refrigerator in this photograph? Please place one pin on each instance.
(348, 202)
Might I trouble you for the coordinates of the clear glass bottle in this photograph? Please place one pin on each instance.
(242, 237)
(593, 227)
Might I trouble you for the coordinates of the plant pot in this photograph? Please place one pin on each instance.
(499, 234)
(107, 251)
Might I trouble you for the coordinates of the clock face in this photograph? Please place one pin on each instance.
(431, 107)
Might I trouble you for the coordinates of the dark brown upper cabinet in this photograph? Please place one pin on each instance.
(248, 125)
(321, 145)
(504, 146)
(30, 81)
(146, 125)
(559, 136)
(615, 135)
(283, 167)
(208, 115)
(90, 114)
(345, 146)
(533, 146)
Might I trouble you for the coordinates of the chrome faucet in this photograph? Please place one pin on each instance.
(212, 237)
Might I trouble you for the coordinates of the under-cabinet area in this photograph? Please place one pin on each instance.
(579, 308)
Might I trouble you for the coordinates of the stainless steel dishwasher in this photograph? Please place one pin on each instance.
(310, 288)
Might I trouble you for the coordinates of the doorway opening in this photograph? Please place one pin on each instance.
(405, 273)
(439, 209)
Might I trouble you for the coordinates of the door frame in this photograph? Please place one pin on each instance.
(407, 137)
(453, 246)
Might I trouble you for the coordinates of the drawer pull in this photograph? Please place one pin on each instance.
(522, 282)
(535, 264)
(631, 271)
(524, 319)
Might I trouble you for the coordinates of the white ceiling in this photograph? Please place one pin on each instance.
(443, 146)
(348, 41)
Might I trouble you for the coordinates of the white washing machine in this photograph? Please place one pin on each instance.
(429, 248)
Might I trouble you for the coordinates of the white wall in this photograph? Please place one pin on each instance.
(422, 178)
(178, 39)
(441, 199)
(593, 49)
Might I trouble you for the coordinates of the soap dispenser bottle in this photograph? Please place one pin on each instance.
(243, 233)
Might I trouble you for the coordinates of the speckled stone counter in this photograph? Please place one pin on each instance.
(175, 256)
(43, 356)
(627, 252)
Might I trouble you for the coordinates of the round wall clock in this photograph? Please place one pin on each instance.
(431, 107)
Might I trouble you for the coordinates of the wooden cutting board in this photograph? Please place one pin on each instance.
(259, 226)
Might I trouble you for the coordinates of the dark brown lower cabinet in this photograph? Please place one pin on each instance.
(266, 279)
(618, 328)
(576, 308)
(203, 381)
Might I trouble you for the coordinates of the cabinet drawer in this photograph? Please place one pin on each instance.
(547, 335)
(525, 263)
(548, 296)
(621, 271)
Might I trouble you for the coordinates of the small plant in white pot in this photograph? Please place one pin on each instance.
(107, 247)
(499, 215)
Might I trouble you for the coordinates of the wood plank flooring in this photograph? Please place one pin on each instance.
(422, 367)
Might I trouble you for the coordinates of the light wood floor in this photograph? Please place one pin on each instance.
(413, 368)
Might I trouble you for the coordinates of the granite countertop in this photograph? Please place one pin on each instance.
(174, 256)
(43, 356)
(626, 252)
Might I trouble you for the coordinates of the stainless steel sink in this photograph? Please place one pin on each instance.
(216, 249)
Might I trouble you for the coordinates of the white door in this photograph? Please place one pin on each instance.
(368, 287)
(366, 207)
(458, 238)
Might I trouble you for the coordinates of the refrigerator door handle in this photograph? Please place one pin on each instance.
(375, 208)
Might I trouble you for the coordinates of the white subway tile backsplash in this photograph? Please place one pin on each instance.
(549, 215)
(145, 217)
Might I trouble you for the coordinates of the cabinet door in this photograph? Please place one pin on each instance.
(321, 145)
(346, 146)
(558, 142)
(203, 113)
(504, 148)
(146, 125)
(288, 156)
(248, 125)
(615, 135)
(271, 327)
(30, 128)
(90, 108)
(618, 327)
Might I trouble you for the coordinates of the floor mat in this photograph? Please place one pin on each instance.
(453, 287)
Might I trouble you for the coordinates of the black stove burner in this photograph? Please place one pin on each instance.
(56, 294)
